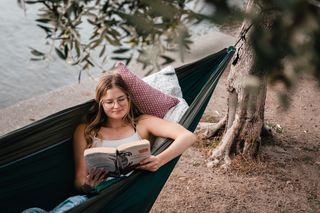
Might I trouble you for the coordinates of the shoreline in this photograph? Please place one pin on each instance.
(38, 107)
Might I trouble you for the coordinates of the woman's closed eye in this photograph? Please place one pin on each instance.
(122, 99)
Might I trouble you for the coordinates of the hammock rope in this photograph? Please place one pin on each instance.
(242, 37)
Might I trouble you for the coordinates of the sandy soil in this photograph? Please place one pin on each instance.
(285, 179)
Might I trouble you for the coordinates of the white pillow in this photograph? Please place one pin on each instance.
(166, 81)
(174, 114)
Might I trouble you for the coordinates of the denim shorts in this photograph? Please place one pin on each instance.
(62, 207)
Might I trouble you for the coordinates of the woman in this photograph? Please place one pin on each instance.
(117, 120)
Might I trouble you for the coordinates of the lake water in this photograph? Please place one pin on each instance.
(21, 78)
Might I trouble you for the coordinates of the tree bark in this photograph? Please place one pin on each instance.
(247, 88)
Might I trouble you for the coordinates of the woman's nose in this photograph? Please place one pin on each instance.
(116, 104)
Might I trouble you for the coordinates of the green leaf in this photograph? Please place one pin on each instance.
(66, 50)
(112, 42)
(85, 58)
(75, 62)
(121, 50)
(37, 59)
(119, 58)
(125, 30)
(95, 43)
(89, 62)
(45, 28)
(60, 54)
(104, 60)
(32, 2)
(86, 66)
(92, 22)
(128, 60)
(77, 46)
(167, 59)
(79, 76)
(115, 33)
(102, 51)
(43, 20)
(36, 52)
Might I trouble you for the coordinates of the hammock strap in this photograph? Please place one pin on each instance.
(243, 34)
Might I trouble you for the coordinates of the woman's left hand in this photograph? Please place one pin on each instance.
(151, 164)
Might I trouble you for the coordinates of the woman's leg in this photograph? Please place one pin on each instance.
(34, 210)
(69, 203)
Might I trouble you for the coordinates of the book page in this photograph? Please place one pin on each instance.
(109, 150)
(131, 154)
(101, 157)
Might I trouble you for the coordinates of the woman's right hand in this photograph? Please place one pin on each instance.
(94, 177)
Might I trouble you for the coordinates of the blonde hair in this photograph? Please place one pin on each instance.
(96, 117)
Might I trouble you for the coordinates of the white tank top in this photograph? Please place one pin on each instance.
(97, 142)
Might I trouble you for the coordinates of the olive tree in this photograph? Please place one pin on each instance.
(278, 41)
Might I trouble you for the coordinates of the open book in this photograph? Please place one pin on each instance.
(120, 160)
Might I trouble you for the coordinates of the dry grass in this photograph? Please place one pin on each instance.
(205, 145)
(250, 167)
(210, 118)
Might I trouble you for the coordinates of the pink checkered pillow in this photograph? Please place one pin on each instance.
(148, 99)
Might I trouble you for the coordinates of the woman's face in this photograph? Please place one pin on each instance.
(115, 103)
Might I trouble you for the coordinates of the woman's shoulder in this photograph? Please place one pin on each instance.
(149, 121)
(146, 118)
(144, 125)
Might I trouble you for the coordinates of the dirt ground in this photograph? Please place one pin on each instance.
(284, 179)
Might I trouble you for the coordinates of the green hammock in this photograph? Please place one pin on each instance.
(36, 161)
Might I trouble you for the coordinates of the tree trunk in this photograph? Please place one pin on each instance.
(247, 88)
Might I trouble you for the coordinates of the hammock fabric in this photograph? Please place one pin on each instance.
(36, 161)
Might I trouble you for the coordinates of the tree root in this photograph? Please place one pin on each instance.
(206, 129)
(222, 151)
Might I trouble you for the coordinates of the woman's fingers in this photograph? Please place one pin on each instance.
(102, 175)
(149, 167)
(149, 164)
(96, 176)
(148, 160)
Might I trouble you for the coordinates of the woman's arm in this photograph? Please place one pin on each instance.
(182, 137)
(79, 145)
(84, 181)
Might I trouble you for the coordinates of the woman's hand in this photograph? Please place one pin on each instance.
(152, 164)
(94, 177)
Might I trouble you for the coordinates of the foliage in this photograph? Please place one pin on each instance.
(151, 30)
(120, 30)
(290, 45)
